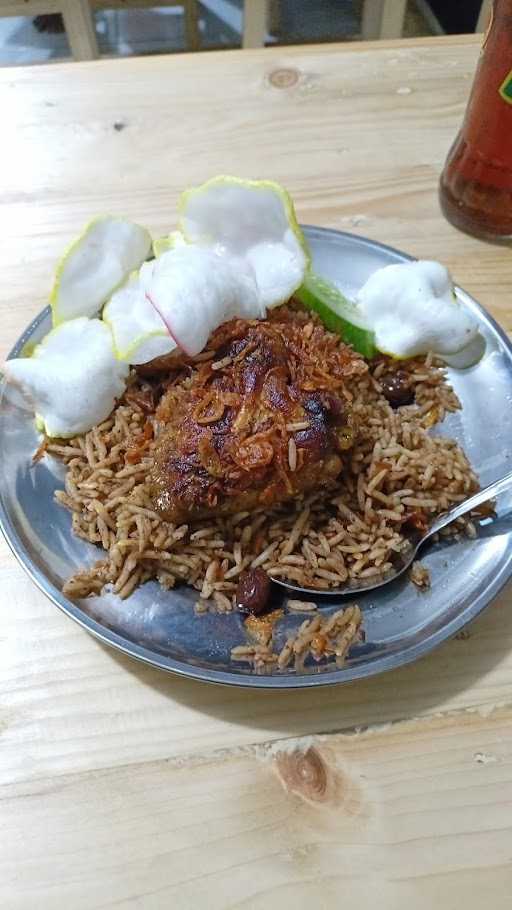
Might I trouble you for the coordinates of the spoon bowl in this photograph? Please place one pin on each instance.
(404, 559)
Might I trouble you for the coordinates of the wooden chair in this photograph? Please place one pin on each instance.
(79, 20)
(381, 19)
(256, 17)
(189, 11)
(484, 16)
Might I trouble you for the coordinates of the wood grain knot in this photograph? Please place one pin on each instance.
(304, 773)
(284, 78)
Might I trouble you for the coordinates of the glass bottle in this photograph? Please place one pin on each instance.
(476, 184)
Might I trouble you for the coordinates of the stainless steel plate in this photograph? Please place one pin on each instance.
(161, 628)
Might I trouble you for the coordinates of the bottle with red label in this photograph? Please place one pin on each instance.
(476, 184)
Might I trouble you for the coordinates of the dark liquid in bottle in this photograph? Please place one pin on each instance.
(473, 199)
(476, 185)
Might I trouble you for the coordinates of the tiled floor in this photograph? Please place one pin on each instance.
(160, 29)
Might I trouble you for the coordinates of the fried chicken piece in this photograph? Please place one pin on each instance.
(266, 418)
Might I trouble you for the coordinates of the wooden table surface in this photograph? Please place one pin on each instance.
(125, 787)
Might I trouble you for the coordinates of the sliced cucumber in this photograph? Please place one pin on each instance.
(337, 313)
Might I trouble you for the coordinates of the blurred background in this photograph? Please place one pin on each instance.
(35, 31)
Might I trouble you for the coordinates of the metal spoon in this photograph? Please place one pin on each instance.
(405, 558)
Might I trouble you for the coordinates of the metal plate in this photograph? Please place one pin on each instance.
(161, 628)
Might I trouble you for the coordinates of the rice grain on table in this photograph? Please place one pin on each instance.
(396, 477)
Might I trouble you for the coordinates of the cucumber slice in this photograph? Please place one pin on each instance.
(337, 313)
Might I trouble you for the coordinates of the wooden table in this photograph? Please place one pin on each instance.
(125, 787)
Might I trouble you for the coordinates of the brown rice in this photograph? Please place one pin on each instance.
(319, 637)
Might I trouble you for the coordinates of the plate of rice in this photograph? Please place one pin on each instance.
(168, 578)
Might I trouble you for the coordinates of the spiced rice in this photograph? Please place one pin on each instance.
(396, 478)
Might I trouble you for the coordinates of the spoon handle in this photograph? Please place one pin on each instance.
(494, 489)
